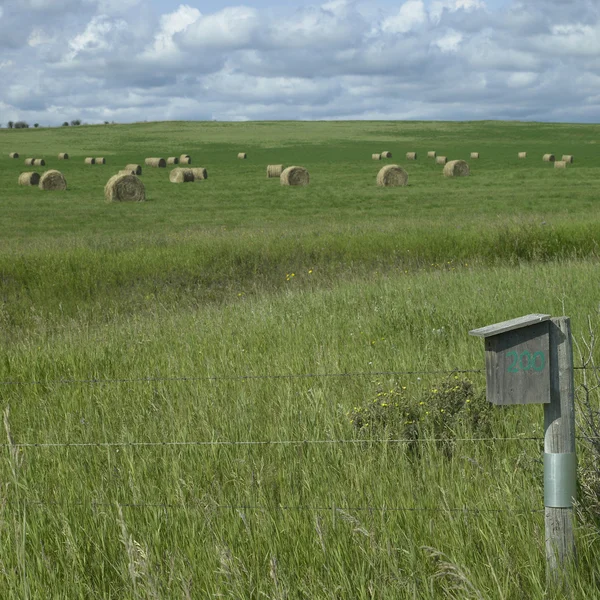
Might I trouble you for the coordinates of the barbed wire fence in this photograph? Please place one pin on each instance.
(93, 505)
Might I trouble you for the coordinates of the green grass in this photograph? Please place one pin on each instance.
(238, 276)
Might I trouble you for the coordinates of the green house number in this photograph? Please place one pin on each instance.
(526, 361)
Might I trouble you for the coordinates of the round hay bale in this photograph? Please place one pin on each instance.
(173, 160)
(134, 167)
(14, 155)
(376, 156)
(431, 154)
(441, 160)
(124, 188)
(52, 180)
(411, 156)
(199, 173)
(474, 154)
(294, 176)
(456, 168)
(274, 171)
(242, 155)
(63, 156)
(386, 154)
(549, 158)
(90, 161)
(126, 172)
(180, 175)
(560, 164)
(29, 161)
(39, 162)
(392, 176)
(522, 155)
(100, 160)
(156, 162)
(29, 178)
(567, 158)
(186, 159)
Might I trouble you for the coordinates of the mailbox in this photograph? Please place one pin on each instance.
(517, 360)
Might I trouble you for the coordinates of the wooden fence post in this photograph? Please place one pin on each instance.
(560, 459)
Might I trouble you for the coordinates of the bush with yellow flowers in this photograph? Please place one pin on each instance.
(443, 412)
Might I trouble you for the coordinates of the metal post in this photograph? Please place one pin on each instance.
(560, 459)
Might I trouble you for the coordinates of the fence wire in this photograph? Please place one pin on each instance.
(262, 442)
(334, 508)
(193, 378)
(184, 378)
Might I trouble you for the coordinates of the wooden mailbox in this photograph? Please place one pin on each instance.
(517, 360)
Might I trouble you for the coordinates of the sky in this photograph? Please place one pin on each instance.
(155, 60)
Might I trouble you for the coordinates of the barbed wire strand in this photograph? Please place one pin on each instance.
(261, 442)
(158, 379)
(184, 378)
(332, 507)
(124, 444)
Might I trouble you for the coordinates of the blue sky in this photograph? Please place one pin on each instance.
(125, 60)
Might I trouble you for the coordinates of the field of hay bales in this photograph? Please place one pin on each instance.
(203, 392)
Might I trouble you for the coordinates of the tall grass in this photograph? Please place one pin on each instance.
(235, 311)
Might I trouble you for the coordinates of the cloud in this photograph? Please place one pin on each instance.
(411, 15)
(108, 60)
(229, 29)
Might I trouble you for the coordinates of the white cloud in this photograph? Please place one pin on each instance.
(439, 6)
(411, 15)
(230, 28)
(450, 41)
(173, 23)
(95, 35)
(521, 79)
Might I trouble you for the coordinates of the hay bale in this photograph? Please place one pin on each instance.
(100, 160)
(376, 156)
(29, 178)
(39, 162)
(124, 188)
(456, 168)
(90, 161)
(242, 155)
(173, 160)
(134, 167)
(126, 172)
(431, 154)
(156, 162)
(14, 155)
(567, 158)
(294, 176)
(549, 158)
(52, 180)
(411, 156)
(29, 161)
(180, 175)
(386, 154)
(392, 176)
(441, 160)
(63, 156)
(522, 155)
(274, 171)
(199, 173)
(186, 159)
(560, 164)
(474, 154)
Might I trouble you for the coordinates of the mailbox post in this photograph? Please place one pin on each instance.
(530, 360)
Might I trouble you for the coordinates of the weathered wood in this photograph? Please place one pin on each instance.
(517, 365)
(509, 325)
(559, 437)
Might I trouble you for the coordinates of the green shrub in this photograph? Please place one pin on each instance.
(451, 409)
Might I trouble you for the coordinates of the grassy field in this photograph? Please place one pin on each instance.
(190, 302)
